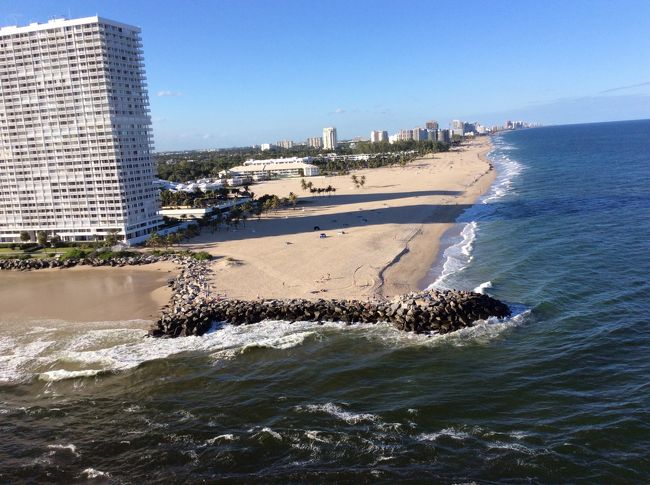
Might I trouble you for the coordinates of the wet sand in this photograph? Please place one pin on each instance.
(85, 294)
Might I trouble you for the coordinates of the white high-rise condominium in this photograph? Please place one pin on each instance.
(329, 138)
(378, 136)
(315, 142)
(75, 132)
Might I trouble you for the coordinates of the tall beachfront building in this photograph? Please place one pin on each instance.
(75, 132)
(329, 138)
(377, 136)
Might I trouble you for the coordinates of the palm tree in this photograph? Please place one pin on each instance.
(303, 184)
(362, 182)
(355, 181)
(154, 241)
(293, 199)
(41, 238)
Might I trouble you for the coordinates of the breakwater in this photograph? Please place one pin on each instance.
(18, 264)
(192, 310)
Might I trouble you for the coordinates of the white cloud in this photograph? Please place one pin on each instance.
(164, 93)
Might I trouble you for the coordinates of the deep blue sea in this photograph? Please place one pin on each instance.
(560, 393)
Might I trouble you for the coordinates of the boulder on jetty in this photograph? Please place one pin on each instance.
(193, 311)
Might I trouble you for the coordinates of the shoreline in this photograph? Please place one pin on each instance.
(448, 237)
(427, 253)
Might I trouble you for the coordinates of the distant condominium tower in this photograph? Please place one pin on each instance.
(419, 134)
(432, 125)
(285, 144)
(315, 142)
(405, 135)
(457, 127)
(75, 132)
(377, 136)
(329, 138)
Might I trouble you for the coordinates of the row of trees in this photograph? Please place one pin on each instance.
(182, 167)
(157, 240)
(309, 186)
(239, 214)
(199, 198)
(44, 239)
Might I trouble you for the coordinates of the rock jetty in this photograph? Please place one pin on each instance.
(193, 311)
(17, 264)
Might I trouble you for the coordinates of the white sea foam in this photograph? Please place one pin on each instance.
(338, 412)
(453, 433)
(512, 446)
(91, 473)
(316, 436)
(272, 433)
(482, 287)
(70, 447)
(221, 437)
(61, 374)
(95, 353)
(458, 255)
(16, 356)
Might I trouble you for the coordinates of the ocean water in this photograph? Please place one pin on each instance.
(559, 393)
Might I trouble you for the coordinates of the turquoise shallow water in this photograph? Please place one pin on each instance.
(560, 393)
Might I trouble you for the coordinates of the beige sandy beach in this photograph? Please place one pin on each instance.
(382, 239)
(85, 294)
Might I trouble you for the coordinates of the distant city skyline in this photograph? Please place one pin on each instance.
(238, 73)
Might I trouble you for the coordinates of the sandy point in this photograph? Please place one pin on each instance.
(380, 240)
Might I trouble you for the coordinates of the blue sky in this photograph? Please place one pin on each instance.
(238, 72)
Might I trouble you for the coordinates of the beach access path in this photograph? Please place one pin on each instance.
(381, 239)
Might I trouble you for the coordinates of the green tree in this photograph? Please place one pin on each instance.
(112, 238)
(293, 199)
(362, 181)
(154, 241)
(41, 238)
(25, 237)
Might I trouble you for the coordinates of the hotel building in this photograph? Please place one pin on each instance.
(75, 132)
(377, 136)
(315, 142)
(329, 138)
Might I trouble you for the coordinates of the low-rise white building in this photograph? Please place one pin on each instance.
(278, 167)
(200, 184)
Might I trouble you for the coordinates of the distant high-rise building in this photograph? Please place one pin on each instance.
(457, 127)
(315, 142)
(469, 127)
(419, 134)
(444, 136)
(432, 135)
(405, 135)
(432, 125)
(377, 136)
(285, 144)
(75, 132)
(329, 138)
